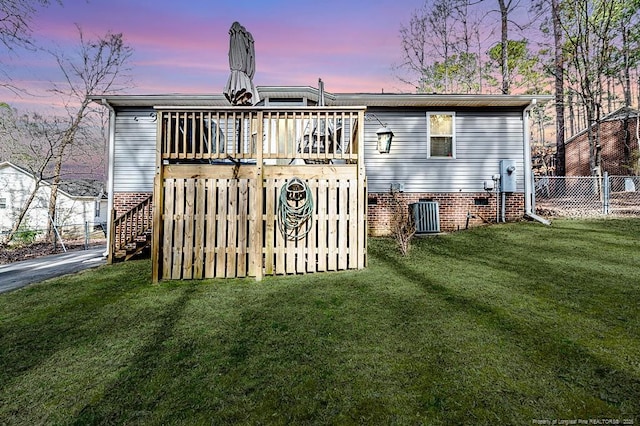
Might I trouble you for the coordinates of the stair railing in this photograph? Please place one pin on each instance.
(129, 226)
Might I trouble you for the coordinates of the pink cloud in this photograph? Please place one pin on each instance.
(182, 46)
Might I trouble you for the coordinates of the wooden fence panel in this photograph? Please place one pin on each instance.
(210, 217)
(332, 227)
(210, 226)
(178, 228)
(199, 232)
(312, 251)
(243, 227)
(221, 231)
(322, 201)
(167, 241)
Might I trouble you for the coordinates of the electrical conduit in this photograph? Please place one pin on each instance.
(112, 143)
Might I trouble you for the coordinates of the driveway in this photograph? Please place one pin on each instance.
(20, 274)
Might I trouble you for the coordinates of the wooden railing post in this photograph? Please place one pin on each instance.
(112, 236)
(256, 232)
(158, 204)
(362, 194)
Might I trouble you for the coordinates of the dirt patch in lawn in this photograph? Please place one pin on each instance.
(30, 251)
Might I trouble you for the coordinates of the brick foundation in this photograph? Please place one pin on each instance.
(125, 201)
(453, 209)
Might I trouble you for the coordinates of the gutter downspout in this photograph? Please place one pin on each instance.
(112, 149)
(528, 184)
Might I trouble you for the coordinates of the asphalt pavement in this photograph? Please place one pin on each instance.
(20, 274)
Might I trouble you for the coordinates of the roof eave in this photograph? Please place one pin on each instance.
(332, 99)
(438, 100)
(161, 99)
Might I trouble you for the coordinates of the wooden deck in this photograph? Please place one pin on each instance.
(217, 191)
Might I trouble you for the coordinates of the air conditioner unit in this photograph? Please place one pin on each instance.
(426, 216)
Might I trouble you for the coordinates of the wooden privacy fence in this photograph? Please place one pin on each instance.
(220, 192)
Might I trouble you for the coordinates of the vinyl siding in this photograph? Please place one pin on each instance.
(483, 138)
(135, 151)
(16, 187)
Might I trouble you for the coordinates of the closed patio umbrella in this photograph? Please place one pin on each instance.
(239, 89)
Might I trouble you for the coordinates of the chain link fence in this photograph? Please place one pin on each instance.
(585, 196)
(68, 235)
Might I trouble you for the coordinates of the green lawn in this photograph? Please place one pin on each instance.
(501, 325)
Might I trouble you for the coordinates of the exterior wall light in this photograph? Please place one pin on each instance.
(385, 135)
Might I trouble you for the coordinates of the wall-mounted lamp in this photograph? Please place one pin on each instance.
(385, 135)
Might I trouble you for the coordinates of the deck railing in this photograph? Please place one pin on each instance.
(312, 133)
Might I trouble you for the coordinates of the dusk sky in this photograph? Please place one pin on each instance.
(182, 46)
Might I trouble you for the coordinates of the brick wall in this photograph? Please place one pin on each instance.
(612, 152)
(125, 201)
(453, 208)
(576, 156)
(612, 141)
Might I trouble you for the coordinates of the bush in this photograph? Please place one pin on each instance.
(403, 227)
(26, 236)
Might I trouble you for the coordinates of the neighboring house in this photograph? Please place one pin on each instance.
(446, 148)
(618, 133)
(77, 203)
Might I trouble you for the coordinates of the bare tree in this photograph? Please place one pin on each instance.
(427, 45)
(15, 21)
(438, 47)
(29, 140)
(446, 47)
(505, 9)
(99, 67)
(627, 57)
(514, 52)
(15, 27)
(471, 39)
(558, 74)
(590, 30)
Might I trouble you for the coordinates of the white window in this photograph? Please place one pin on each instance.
(3, 203)
(441, 138)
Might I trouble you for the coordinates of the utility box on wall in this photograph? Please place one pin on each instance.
(508, 180)
(426, 216)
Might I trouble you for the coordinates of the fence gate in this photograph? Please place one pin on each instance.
(226, 206)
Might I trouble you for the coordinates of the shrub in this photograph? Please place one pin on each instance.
(403, 227)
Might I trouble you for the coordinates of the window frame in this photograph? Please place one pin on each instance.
(453, 135)
(3, 202)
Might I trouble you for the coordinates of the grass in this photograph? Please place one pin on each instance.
(510, 324)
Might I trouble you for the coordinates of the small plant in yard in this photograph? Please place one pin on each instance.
(403, 227)
(25, 236)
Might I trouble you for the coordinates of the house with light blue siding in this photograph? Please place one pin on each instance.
(465, 158)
